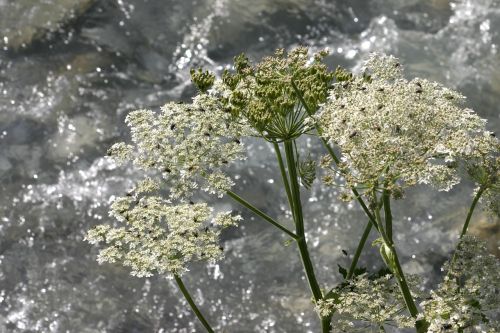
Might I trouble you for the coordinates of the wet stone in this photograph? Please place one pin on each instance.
(23, 22)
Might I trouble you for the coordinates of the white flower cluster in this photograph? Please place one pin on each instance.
(485, 172)
(397, 132)
(189, 144)
(158, 237)
(469, 295)
(365, 302)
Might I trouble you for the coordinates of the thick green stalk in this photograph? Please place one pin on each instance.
(193, 306)
(299, 231)
(359, 249)
(284, 176)
(261, 214)
(471, 210)
(299, 222)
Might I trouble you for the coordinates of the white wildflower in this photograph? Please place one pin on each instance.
(147, 185)
(189, 144)
(468, 296)
(158, 237)
(383, 67)
(120, 152)
(397, 132)
(225, 219)
(366, 301)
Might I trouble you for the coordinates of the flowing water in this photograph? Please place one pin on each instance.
(71, 70)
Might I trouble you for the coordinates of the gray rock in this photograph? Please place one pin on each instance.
(23, 22)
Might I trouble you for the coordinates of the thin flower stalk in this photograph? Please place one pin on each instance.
(261, 214)
(286, 184)
(388, 214)
(359, 250)
(192, 304)
(467, 222)
(471, 211)
(390, 256)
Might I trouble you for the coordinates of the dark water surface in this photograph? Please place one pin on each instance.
(70, 70)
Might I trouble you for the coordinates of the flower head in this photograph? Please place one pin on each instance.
(468, 296)
(158, 237)
(367, 300)
(190, 145)
(485, 171)
(263, 94)
(396, 133)
(188, 148)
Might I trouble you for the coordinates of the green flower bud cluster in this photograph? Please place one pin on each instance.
(263, 94)
(202, 80)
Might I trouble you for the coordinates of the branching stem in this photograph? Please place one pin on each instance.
(261, 214)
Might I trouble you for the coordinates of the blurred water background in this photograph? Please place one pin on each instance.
(70, 70)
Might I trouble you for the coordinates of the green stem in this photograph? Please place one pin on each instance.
(471, 211)
(299, 230)
(403, 285)
(359, 249)
(388, 214)
(261, 214)
(284, 176)
(193, 306)
(326, 324)
(466, 225)
(318, 129)
(332, 154)
(299, 222)
(370, 216)
(410, 303)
